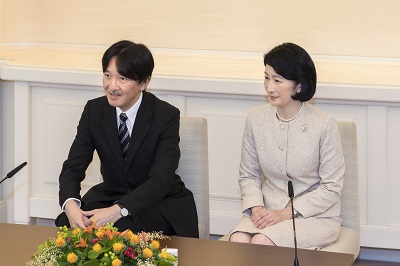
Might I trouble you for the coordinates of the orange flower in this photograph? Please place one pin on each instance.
(91, 227)
(76, 231)
(147, 253)
(155, 244)
(144, 236)
(135, 239)
(116, 262)
(72, 258)
(60, 241)
(97, 247)
(82, 243)
(109, 234)
(117, 247)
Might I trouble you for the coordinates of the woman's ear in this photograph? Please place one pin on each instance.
(298, 88)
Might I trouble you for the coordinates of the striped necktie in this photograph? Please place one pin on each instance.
(124, 134)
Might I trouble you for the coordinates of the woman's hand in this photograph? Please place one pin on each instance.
(262, 217)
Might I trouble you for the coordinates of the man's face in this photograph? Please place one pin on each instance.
(121, 92)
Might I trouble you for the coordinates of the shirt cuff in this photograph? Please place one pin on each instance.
(78, 202)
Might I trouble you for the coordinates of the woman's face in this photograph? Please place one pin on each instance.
(279, 89)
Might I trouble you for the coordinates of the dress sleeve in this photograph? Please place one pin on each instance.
(331, 171)
(249, 171)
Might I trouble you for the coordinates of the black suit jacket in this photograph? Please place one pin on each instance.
(148, 177)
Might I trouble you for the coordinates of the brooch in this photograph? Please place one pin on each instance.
(304, 127)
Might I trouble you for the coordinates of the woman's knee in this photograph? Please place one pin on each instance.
(240, 237)
(262, 240)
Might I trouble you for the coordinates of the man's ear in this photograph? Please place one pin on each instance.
(145, 84)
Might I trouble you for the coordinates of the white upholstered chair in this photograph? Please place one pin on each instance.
(349, 236)
(193, 167)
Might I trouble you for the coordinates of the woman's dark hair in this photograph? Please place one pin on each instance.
(134, 61)
(293, 63)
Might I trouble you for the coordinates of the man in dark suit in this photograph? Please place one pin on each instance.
(136, 136)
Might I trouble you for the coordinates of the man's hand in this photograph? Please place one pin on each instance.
(75, 215)
(103, 216)
(262, 217)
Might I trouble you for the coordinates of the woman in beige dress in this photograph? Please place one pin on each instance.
(290, 140)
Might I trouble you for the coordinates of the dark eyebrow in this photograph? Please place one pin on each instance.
(275, 76)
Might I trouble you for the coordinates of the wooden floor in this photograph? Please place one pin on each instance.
(374, 263)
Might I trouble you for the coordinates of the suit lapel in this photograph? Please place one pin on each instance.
(141, 127)
(111, 130)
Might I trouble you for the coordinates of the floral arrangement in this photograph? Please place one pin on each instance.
(102, 245)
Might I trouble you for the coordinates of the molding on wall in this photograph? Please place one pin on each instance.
(20, 62)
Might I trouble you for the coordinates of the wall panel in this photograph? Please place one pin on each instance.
(393, 186)
(56, 113)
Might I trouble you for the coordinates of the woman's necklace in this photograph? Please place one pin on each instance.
(290, 119)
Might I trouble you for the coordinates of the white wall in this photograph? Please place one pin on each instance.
(341, 28)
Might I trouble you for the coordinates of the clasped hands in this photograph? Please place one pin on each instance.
(262, 217)
(83, 219)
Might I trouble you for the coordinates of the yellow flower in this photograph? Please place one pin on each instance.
(97, 247)
(116, 262)
(118, 246)
(135, 239)
(128, 234)
(155, 244)
(72, 258)
(76, 231)
(60, 241)
(99, 233)
(164, 254)
(147, 253)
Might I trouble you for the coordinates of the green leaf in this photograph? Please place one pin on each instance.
(106, 260)
(80, 254)
(93, 254)
(91, 263)
(63, 263)
(164, 263)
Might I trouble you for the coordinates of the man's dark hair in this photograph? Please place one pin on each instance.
(134, 61)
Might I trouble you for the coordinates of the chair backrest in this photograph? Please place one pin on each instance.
(193, 166)
(350, 209)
